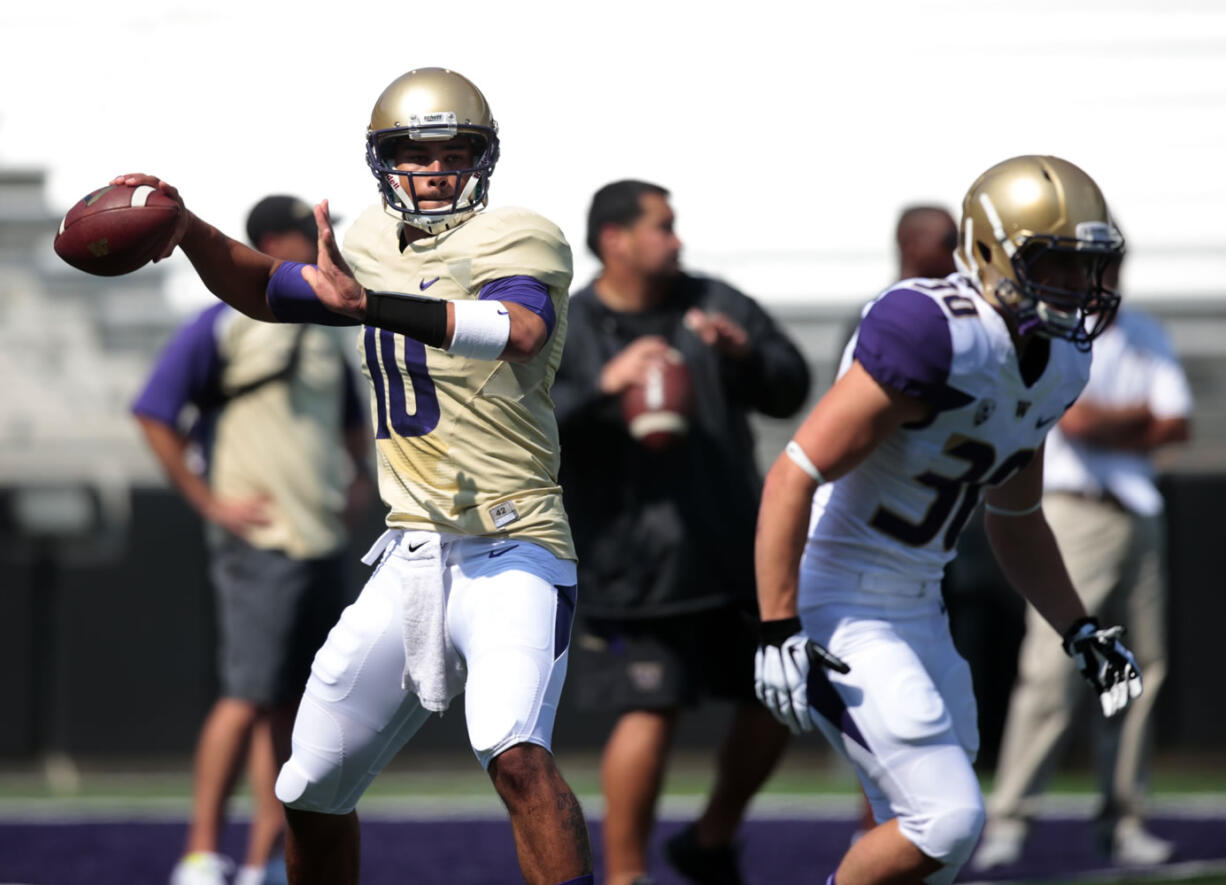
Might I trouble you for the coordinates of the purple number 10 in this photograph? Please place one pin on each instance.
(390, 401)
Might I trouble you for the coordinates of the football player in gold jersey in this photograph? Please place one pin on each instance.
(464, 316)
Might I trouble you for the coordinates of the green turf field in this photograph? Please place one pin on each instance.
(457, 774)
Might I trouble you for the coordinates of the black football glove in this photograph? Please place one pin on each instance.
(1105, 663)
(781, 671)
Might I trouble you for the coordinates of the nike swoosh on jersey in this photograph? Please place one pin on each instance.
(413, 548)
(426, 285)
(494, 554)
(1043, 422)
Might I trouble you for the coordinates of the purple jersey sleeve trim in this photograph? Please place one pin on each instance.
(905, 344)
(525, 291)
(187, 371)
(292, 300)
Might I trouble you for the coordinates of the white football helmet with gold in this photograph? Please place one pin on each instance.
(1037, 236)
(431, 104)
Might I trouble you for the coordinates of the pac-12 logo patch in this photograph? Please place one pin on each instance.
(984, 411)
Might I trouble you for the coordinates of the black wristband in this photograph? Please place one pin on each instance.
(422, 319)
(1074, 627)
(775, 632)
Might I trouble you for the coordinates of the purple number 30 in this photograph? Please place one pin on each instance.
(390, 402)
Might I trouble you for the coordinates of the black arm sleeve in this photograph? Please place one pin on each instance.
(422, 319)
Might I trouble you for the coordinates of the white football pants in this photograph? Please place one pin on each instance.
(509, 609)
(905, 715)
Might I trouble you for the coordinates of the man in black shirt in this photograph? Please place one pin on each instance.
(664, 532)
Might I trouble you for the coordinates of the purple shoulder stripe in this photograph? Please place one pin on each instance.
(905, 344)
(525, 291)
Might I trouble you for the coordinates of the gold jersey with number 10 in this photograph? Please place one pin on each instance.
(465, 446)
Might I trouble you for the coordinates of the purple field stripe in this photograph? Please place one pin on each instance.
(481, 852)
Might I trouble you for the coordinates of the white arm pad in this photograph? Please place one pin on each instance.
(481, 331)
(1001, 511)
(801, 460)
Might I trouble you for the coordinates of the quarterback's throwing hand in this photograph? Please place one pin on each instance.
(1105, 663)
(139, 179)
(781, 672)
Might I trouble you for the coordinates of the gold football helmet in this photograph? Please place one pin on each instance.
(1037, 235)
(431, 104)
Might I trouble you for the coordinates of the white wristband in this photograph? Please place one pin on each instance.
(481, 330)
(1001, 511)
(801, 460)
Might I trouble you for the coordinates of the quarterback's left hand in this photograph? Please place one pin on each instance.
(781, 672)
(1105, 663)
(332, 281)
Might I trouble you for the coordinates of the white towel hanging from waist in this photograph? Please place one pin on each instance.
(432, 668)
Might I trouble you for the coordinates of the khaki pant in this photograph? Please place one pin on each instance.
(1116, 560)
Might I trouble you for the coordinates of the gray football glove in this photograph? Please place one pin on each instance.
(781, 671)
(1105, 663)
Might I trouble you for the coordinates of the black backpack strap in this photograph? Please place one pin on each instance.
(282, 374)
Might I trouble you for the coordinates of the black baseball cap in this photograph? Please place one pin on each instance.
(278, 213)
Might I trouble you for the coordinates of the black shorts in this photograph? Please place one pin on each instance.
(273, 614)
(663, 663)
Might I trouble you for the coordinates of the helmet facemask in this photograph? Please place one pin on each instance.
(1061, 284)
(400, 188)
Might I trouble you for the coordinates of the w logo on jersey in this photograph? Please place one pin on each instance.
(984, 411)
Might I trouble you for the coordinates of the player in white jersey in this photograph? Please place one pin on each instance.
(946, 393)
(464, 315)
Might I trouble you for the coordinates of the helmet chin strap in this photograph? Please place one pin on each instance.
(1004, 295)
(1059, 319)
(431, 222)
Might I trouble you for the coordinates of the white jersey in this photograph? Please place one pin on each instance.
(1134, 364)
(901, 510)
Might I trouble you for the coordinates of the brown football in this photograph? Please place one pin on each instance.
(116, 229)
(657, 412)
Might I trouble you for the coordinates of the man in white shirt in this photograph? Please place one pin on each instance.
(1106, 513)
